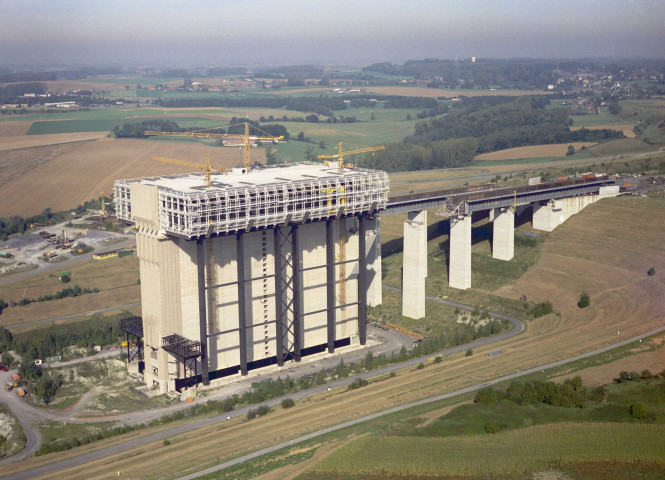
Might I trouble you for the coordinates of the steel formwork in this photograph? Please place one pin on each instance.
(193, 213)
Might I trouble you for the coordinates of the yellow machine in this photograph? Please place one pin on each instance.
(206, 168)
(204, 134)
(341, 154)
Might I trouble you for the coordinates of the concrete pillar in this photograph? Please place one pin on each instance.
(373, 257)
(547, 216)
(503, 243)
(414, 269)
(459, 273)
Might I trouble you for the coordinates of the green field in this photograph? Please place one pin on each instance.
(502, 454)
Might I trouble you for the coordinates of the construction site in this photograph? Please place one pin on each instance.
(249, 269)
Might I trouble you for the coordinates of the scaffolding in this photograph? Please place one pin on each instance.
(313, 193)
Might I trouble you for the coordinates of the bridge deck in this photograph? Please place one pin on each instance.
(464, 201)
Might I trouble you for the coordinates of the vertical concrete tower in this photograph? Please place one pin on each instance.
(255, 270)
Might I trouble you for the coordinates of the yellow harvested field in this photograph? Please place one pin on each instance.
(537, 151)
(654, 361)
(80, 173)
(627, 128)
(606, 251)
(10, 129)
(29, 141)
(115, 278)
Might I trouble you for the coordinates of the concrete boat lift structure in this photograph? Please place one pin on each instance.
(255, 270)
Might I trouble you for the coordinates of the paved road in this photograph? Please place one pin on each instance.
(324, 431)
(158, 436)
(396, 342)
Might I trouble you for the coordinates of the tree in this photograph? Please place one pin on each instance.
(571, 150)
(5, 339)
(584, 300)
(614, 108)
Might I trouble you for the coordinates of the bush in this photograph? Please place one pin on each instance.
(251, 414)
(492, 427)
(541, 309)
(584, 300)
(288, 403)
(262, 410)
(469, 352)
(166, 442)
(65, 278)
(651, 272)
(488, 396)
(639, 412)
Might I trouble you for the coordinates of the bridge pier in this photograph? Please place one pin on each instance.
(547, 215)
(503, 239)
(459, 271)
(373, 256)
(414, 265)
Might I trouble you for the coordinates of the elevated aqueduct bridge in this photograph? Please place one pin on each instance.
(274, 264)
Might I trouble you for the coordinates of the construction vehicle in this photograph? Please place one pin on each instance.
(205, 134)
(341, 154)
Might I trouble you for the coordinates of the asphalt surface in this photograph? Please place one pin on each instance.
(324, 431)
(380, 341)
(159, 436)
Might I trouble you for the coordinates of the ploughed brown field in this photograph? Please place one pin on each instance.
(64, 176)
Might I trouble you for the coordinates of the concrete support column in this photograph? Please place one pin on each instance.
(203, 319)
(503, 243)
(242, 303)
(547, 216)
(459, 273)
(362, 280)
(414, 269)
(331, 301)
(373, 256)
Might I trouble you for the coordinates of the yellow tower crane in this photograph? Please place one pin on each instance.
(206, 168)
(341, 257)
(341, 154)
(204, 134)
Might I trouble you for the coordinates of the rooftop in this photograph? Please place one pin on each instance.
(262, 176)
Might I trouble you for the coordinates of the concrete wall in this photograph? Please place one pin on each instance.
(170, 302)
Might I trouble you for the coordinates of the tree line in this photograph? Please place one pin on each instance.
(479, 126)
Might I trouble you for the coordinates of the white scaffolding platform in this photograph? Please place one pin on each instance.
(262, 198)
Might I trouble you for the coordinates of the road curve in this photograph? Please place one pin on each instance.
(547, 366)
(24, 412)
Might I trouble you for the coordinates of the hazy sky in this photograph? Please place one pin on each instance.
(223, 32)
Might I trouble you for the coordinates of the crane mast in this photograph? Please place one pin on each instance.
(203, 134)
